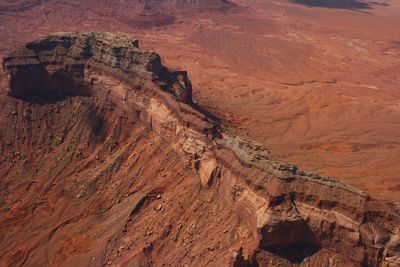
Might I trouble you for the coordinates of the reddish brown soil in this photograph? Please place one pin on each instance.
(106, 160)
(89, 181)
(318, 85)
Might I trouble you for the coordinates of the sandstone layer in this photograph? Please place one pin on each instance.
(317, 85)
(106, 160)
(315, 81)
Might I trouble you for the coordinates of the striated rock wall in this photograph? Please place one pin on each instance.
(65, 63)
(275, 214)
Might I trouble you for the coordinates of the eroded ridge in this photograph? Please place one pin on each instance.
(154, 173)
(65, 63)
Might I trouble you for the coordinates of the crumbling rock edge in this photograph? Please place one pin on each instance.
(294, 216)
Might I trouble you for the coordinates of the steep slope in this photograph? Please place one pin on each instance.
(106, 161)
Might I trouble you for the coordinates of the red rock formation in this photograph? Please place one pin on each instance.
(69, 64)
(102, 165)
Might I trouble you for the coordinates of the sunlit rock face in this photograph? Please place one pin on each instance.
(67, 62)
(107, 161)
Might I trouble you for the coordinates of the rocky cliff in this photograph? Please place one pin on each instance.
(107, 161)
(70, 64)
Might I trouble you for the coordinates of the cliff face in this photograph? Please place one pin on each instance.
(69, 64)
(106, 160)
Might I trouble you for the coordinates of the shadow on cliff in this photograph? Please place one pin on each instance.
(292, 240)
(205, 112)
(45, 98)
(36, 84)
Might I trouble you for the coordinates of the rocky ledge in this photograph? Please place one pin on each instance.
(65, 63)
(284, 216)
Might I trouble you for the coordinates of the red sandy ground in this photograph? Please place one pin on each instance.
(319, 86)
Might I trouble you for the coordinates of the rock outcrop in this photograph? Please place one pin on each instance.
(69, 64)
(106, 160)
